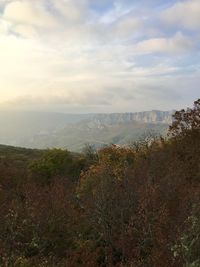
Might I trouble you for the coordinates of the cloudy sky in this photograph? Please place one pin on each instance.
(99, 55)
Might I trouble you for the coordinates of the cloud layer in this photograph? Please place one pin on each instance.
(99, 56)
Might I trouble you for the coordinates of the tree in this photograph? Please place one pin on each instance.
(56, 162)
(108, 199)
(186, 121)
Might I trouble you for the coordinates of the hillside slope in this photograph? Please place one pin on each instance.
(118, 206)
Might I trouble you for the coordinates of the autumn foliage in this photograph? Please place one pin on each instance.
(136, 206)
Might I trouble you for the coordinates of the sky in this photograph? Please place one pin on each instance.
(82, 56)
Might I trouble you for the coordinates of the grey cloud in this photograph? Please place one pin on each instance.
(184, 13)
(89, 99)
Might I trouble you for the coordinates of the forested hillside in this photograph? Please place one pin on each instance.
(133, 206)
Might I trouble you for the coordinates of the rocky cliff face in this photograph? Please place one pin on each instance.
(155, 116)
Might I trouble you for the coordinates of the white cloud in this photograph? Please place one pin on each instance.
(73, 57)
(175, 45)
(4, 26)
(184, 13)
(74, 11)
(125, 27)
(29, 13)
(26, 31)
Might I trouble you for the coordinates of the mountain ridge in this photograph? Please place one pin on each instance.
(73, 131)
(154, 116)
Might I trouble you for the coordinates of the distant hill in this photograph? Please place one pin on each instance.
(20, 128)
(73, 131)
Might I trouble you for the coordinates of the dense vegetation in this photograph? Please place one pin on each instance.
(121, 206)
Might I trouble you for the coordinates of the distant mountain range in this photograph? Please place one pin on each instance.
(73, 131)
(154, 116)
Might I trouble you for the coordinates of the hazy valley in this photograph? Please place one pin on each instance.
(73, 131)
